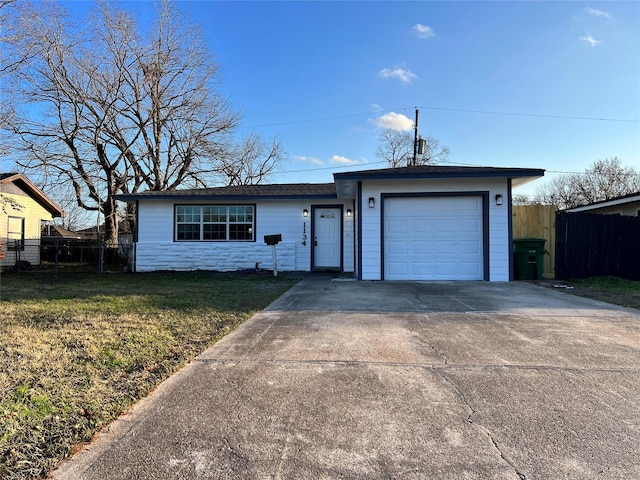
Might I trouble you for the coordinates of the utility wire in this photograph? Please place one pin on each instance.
(565, 117)
(334, 167)
(546, 171)
(462, 110)
(367, 164)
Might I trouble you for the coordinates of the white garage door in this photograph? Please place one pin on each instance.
(433, 238)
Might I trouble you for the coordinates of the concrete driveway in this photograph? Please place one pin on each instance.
(373, 380)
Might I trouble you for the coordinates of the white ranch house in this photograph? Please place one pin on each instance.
(411, 223)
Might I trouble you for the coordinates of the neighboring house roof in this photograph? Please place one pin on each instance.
(29, 188)
(90, 232)
(612, 202)
(235, 192)
(61, 233)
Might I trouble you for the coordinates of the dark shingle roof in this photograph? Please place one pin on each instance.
(236, 192)
(328, 190)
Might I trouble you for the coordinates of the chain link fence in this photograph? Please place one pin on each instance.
(32, 254)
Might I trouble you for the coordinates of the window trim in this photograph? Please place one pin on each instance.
(15, 244)
(201, 239)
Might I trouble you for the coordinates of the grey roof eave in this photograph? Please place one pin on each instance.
(382, 175)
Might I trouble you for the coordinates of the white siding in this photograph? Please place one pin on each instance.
(499, 248)
(157, 250)
(349, 240)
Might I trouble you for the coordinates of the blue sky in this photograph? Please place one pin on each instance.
(324, 76)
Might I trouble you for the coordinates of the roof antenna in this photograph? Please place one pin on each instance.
(415, 139)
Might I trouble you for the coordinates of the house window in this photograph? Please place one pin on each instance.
(15, 233)
(222, 223)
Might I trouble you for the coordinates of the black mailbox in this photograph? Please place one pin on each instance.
(273, 239)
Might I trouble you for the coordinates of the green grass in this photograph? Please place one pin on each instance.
(77, 349)
(608, 289)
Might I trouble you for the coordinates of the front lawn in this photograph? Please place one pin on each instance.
(77, 349)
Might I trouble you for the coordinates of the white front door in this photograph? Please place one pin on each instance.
(326, 238)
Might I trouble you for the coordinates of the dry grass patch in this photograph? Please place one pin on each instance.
(609, 289)
(76, 350)
(618, 291)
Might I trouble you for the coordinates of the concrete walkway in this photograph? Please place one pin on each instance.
(381, 380)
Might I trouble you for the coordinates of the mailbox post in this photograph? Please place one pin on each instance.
(273, 240)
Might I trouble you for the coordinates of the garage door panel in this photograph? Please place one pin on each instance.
(469, 247)
(420, 269)
(469, 269)
(445, 268)
(470, 225)
(397, 226)
(398, 269)
(397, 248)
(443, 247)
(420, 226)
(440, 238)
(420, 248)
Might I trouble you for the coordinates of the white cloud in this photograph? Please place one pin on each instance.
(376, 107)
(590, 40)
(594, 12)
(423, 31)
(394, 121)
(342, 160)
(313, 160)
(405, 76)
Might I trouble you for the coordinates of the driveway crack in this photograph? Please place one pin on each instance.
(484, 430)
(445, 359)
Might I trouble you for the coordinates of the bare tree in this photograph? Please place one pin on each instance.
(11, 59)
(396, 147)
(251, 161)
(522, 199)
(603, 180)
(108, 110)
(75, 217)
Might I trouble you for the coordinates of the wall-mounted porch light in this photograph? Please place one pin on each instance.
(498, 199)
(348, 212)
(305, 213)
(372, 202)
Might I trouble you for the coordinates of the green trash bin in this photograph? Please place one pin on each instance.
(528, 255)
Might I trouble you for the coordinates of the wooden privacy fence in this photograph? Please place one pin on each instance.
(538, 221)
(591, 245)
